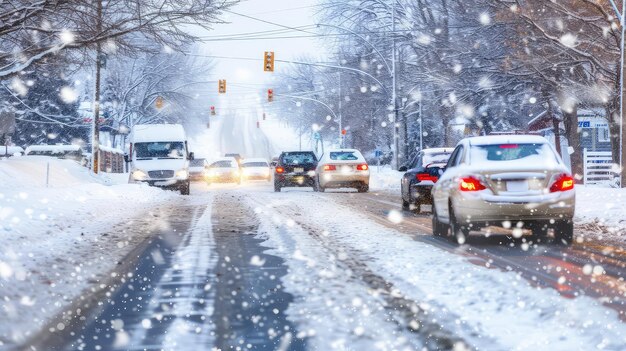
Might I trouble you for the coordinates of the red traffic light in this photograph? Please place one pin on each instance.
(270, 95)
(344, 132)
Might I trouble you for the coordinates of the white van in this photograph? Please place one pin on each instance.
(160, 157)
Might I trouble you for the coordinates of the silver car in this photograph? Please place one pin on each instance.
(514, 181)
(345, 168)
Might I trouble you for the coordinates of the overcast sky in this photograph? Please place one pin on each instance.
(287, 13)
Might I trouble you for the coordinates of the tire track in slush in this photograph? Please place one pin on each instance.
(406, 314)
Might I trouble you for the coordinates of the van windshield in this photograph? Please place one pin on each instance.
(170, 149)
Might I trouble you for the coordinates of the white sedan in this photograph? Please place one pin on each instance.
(255, 169)
(344, 168)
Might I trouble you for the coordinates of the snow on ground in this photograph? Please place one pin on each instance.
(59, 240)
(495, 309)
(600, 211)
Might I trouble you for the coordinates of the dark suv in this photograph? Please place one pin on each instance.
(295, 169)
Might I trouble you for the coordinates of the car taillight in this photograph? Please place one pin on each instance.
(425, 176)
(562, 183)
(362, 167)
(330, 167)
(509, 146)
(470, 184)
(280, 170)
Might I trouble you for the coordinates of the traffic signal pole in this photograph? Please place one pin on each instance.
(95, 147)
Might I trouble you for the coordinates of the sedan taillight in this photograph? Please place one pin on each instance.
(362, 167)
(470, 184)
(563, 183)
(425, 176)
(280, 169)
(330, 168)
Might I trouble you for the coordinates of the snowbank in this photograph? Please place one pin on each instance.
(59, 240)
(385, 179)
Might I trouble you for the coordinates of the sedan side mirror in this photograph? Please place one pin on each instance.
(402, 169)
(191, 156)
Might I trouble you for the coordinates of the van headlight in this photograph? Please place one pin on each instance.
(182, 174)
(139, 175)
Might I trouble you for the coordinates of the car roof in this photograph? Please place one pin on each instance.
(232, 159)
(344, 150)
(438, 150)
(506, 139)
(248, 160)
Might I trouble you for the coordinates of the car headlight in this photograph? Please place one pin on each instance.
(139, 175)
(182, 174)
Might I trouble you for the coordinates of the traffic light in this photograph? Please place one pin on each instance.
(212, 110)
(159, 102)
(270, 95)
(268, 61)
(344, 132)
(222, 86)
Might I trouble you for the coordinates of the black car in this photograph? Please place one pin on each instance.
(420, 176)
(295, 169)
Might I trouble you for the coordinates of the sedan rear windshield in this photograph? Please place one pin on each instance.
(255, 164)
(435, 158)
(223, 164)
(344, 156)
(298, 158)
(199, 162)
(541, 153)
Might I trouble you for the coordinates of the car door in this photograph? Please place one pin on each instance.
(441, 190)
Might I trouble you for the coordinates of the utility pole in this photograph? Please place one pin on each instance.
(95, 147)
(622, 110)
(341, 136)
(396, 143)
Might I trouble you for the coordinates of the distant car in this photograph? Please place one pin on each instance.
(224, 170)
(274, 162)
(421, 173)
(515, 181)
(197, 169)
(236, 157)
(345, 168)
(295, 169)
(256, 169)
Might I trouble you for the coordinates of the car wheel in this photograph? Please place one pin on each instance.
(316, 186)
(459, 232)
(363, 188)
(184, 190)
(439, 229)
(277, 187)
(417, 207)
(540, 231)
(405, 205)
(564, 232)
(320, 188)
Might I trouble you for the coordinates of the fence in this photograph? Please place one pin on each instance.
(598, 167)
(111, 160)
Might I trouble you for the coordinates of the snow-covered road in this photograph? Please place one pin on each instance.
(242, 266)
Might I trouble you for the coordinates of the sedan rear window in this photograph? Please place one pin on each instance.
(222, 164)
(298, 158)
(344, 156)
(435, 158)
(511, 152)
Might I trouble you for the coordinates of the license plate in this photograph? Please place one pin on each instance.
(517, 185)
(298, 169)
